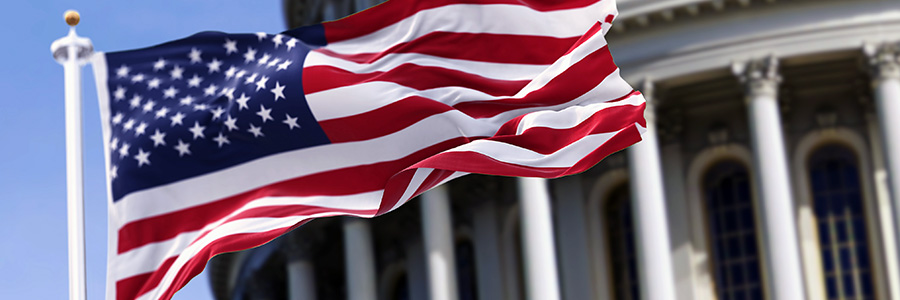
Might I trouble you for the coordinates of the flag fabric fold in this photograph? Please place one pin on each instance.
(222, 142)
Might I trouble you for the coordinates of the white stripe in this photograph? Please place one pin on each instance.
(451, 177)
(279, 167)
(480, 18)
(570, 116)
(500, 71)
(562, 158)
(414, 183)
(147, 258)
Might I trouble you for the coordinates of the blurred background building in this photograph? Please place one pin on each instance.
(767, 167)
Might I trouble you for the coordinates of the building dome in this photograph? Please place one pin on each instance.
(772, 119)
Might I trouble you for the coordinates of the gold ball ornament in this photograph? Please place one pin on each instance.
(72, 17)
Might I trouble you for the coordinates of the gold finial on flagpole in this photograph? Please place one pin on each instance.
(72, 17)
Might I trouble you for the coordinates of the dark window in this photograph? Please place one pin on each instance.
(622, 250)
(400, 289)
(465, 270)
(736, 257)
(837, 201)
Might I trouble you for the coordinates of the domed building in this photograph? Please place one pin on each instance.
(766, 177)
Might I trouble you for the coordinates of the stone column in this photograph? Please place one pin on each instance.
(886, 89)
(359, 259)
(437, 230)
(760, 79)
(301, 276)
(541, 277)
(649, 208)
(571, 226)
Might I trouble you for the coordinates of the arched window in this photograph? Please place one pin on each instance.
(729, 204)
(838, 205)
(622, 247)
(465, 270)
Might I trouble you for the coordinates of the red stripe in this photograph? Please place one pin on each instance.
(389, 119)
(580, 78)
(393, 11)
(546, 141)
(321, 78)
(474, 162)
(345, 181)
(134, 286)
(487, 47)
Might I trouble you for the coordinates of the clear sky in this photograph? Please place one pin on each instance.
(33, 246)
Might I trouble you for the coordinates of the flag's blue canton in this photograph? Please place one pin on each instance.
(205, 103)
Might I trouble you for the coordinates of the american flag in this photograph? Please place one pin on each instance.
(222, 142)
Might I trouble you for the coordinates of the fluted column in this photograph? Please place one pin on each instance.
(437, 228)
(886, 87)
(359, 259)
(541, 275)
(761, 79)
(649, 207)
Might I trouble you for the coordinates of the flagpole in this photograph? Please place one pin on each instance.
(72, 52)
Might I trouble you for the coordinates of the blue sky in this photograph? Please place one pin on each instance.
(33, 246)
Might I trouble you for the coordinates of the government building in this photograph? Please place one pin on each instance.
(771, 171)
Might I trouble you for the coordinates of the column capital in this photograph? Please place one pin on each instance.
(759, 76)
(883, 60)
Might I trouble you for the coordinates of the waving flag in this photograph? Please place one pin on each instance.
(222, 142)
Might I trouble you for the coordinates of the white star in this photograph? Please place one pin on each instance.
(242, 102)
(214, 65)
(217, 113)
(137, 78)
(187, 100)
(197, 130)
(128, 125)
(177, 73)
(250, 55)
(182, 148)
(230, 72)
(284, 65)
(153, 83)
(230, 123)
(162, 112)
(264, 59)
(194, 81)
(123, 151)
(114, 172)
(170, 92)
(119, 94)
(210, 90)
(261, 84)
(291, 122)
(159, 64)
(273, 62)
(122, 71)
(240, 74)
(256, 131)
(117, 118)
(135, 101)
(265, 113)
(230, 46)
(195, 56)
(142, 157)
(114, 143)
(277, 40)
(158, 138)
(278, 91)
(149, 105)
(250, 79)
(177, 118)
(140, 129)
(201, 106)
(221, 140)
(291, 43)
(227, 92)
(261, 35)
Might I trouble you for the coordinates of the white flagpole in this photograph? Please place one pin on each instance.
(72, 52)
